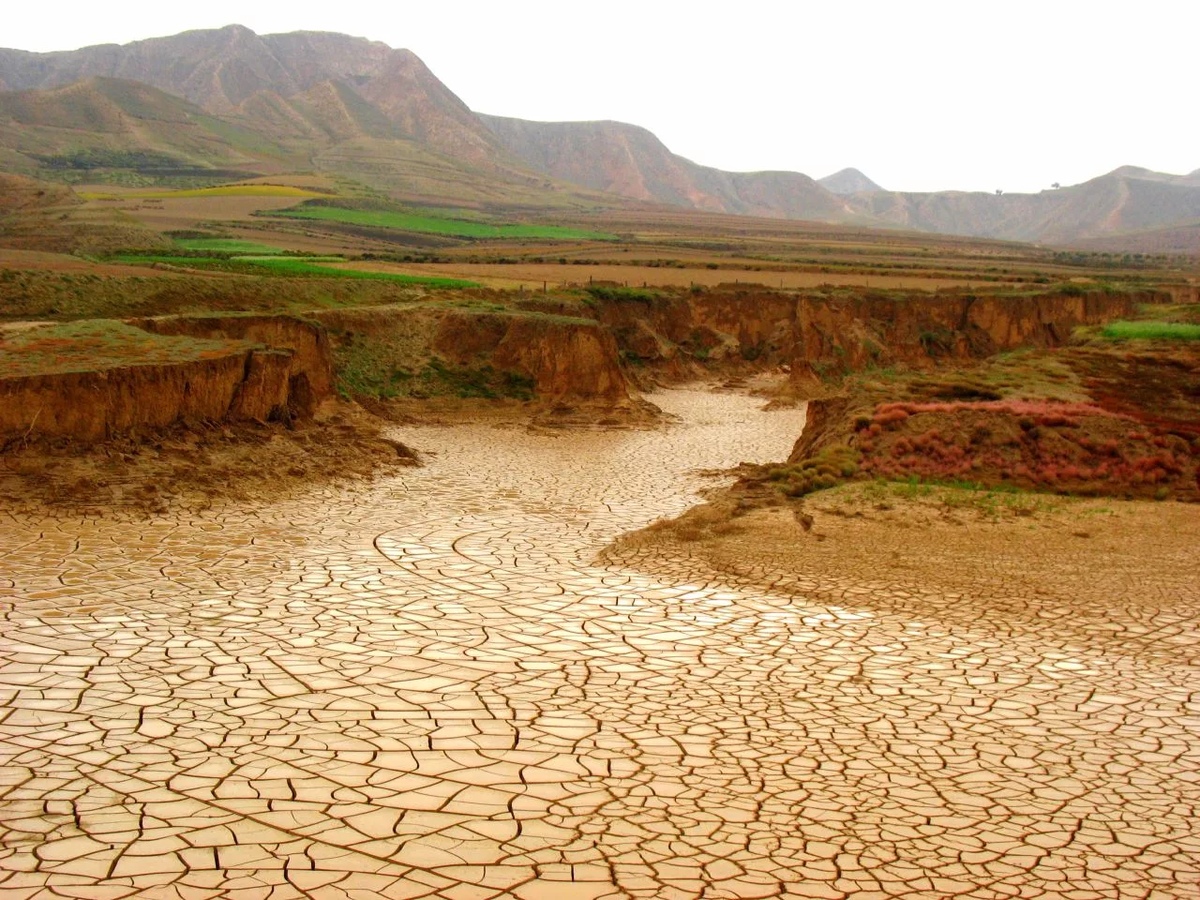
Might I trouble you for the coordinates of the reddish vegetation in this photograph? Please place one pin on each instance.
(1075, 447)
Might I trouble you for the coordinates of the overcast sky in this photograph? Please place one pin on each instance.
(919, 95)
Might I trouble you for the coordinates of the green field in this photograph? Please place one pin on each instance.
(226, 245)
(289, 266)
(406, 221)
(96, 344)
(1151, 331)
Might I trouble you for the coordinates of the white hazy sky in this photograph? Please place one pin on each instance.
(919, 95)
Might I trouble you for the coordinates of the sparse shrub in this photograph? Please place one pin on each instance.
(980, 433)
(825, 469)
(890, 417)
(620, 294)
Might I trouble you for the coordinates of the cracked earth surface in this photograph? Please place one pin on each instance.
(432, 688)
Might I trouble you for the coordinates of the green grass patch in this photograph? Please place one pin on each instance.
(95, 344)
(428, 224)
(1151, 331)
(1017, 375)
(828, 468)
(290, 267)
(989, 501)
(620, 294)
(372, 368)
(226, 245)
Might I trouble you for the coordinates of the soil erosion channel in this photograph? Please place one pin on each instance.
(430, 688)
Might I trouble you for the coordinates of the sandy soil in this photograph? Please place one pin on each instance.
(64, 262)
(954, 558)
(168, 214)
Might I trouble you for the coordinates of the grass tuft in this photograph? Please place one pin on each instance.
(1151, 331)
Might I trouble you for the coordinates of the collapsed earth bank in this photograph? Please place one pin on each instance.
(574, 357)
(829, 333)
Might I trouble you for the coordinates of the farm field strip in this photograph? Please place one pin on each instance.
(402, 221)
(555, 275)
(291, 266)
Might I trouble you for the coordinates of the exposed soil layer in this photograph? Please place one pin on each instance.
(244, 369)
(311, 358)
(577, 357)
(824, 334)
(564, 366)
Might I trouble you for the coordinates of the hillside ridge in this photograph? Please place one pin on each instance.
(229, 97)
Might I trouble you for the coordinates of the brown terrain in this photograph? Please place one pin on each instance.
(350, 451)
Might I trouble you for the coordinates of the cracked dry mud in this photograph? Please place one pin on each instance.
(429, 687)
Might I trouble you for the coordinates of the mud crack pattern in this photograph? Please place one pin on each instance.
(430, 688)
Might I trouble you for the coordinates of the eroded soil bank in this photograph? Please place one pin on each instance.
(431, 686)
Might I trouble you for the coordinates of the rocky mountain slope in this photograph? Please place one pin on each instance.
(222, 70)
(232, 99)
(628, 160)
(280, 102)
(631, 161)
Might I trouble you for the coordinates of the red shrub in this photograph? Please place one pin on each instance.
(890, 417)
(1057, 421)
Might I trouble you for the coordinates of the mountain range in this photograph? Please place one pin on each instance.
(232, 102)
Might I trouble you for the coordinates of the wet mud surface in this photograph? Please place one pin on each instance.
(433, 687)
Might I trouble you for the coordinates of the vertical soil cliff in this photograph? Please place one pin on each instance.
(92, 406)
(837, 331)
(430, 351)
(310, 370)
(92, 380)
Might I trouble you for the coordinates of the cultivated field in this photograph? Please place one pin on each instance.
(511, 248)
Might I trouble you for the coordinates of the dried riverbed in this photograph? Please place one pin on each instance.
(431, 688)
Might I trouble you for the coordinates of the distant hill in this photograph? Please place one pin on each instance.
(628, 160)
(1126, 199)
(631, 161)
(848, 181)
(231, 102)
(1171, 239)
